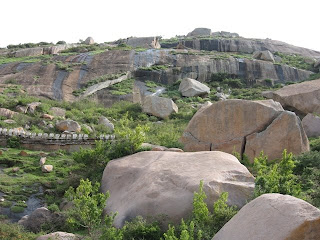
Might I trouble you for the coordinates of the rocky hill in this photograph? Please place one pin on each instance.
(204, 136)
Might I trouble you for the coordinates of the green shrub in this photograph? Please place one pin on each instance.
(276, 177)
(14, 142)
(13, 231)
(234, 83)
(89, 204)
(138, 228)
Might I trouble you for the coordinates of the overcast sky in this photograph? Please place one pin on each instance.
(295, 22)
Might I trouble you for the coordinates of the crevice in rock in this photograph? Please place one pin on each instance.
(243, 147)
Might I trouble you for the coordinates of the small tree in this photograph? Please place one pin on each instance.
(88, 206)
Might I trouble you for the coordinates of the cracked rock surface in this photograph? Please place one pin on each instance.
(273, 216)
(246, 127)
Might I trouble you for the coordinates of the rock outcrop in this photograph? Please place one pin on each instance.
(234, 125)
(58, 236)
(200, 32)
(191, 88)
(37, 218)
(311, 125)
(273, 216)
(163, 183)
(144, 42)
(302, 98)
(159, 106)
(264, 55)
(68, 125)
(243, 45)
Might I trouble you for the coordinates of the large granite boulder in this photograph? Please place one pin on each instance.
(288, 133)
(58, 236)
(311, 125)
(68, 125)
(89, 41)
(4, 112)
(231, 125)
(273, 216)
(191, 88)
(302, 98)
(163, 183)
(264, 55)
(200, 32)
(159, 106)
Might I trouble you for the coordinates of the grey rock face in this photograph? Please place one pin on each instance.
(144, 42)
(89, 41)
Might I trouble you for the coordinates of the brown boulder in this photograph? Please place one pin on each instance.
(273, 216)
(7, 113)
(311, 125)
(226, 125)
(285, 131)
(159, 106)
(302, 98)
(47, 116)
(68, 125)
(163, 183)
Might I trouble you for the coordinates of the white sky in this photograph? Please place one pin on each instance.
(295, 22)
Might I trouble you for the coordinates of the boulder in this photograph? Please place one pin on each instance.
(7, 113)
(288, 133)
(159, 106)
(264, 55)
(58, 236)
(89, 41)
(105, 122)
(23, 153)
(31, 107)
(9, 121)
(163, 183)
(273, 216)
(267, 94)
(42, 161)
(311, 125)
(226, 126)
(37, 218)
(200, 32)
(144, 42)
(88, 128)
(68, 125)
(46, 168)
(191, 88)
(58, 112)
(21, 109)
(47, 116)
(302, 98)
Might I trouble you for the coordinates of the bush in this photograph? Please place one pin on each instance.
(138, 228)
(276, 177)
(88, 207)
(203, 223)
(14, 142)
(12, 231)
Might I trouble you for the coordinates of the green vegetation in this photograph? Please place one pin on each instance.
(123, 88)
(155, 68)
(297, 61)
(29, 45)
(10, 231)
